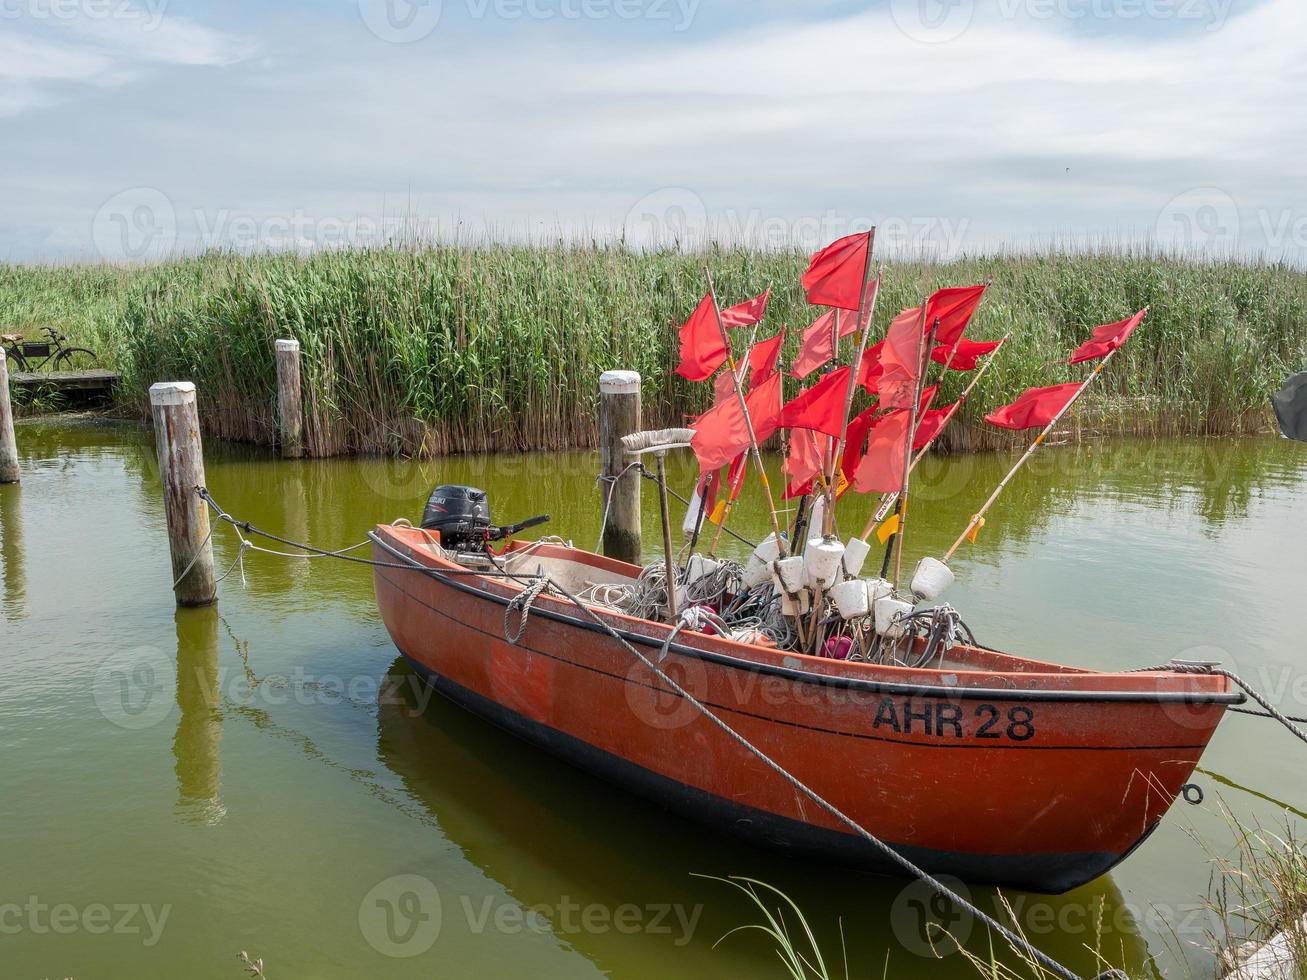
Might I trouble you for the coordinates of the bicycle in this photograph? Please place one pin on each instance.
(31, 356)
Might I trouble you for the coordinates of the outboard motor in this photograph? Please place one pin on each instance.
(462, 516)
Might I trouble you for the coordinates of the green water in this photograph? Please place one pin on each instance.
(178, 787)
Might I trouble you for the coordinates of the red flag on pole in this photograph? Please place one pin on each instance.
(803, 463)
(820, 407)
(1035, 408)
(818, 349)
(929, 426)
(764, 358)
(721, 433)
(702, 350)
(967, 356)
(724, 387)
(881, 469)
(1107, 338)
(899, 359)
(855, 442)
(836, 273)
(748, 313)
(870, 370)
(953, 307)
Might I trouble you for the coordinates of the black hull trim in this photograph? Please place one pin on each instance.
(1045, 873)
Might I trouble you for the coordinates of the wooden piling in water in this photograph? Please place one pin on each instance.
(619, 415)
(181, 471)
(290, 408)
(8, 444)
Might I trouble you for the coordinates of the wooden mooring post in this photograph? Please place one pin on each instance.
(8, 444)
(290, 408)
(181, 471)
(619, 415)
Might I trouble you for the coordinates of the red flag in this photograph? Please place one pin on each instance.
(1035, 408)
(747, 313)
(820, 407)
(899, 359)
(967, 356)
(953, 307)
(870, 370)
(818, 349)
(855, 443)
(765, 357)
(723, 387)
(721, 434)
(929, 426)
(1107, 338)
(702, 350)
(881, 469)
(836, 274)
(803, 463)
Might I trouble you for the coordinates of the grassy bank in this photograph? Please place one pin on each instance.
(441, 349)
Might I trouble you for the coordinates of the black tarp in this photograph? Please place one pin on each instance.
(1291, 407)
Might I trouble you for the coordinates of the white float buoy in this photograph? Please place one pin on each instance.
(851, 599)
(822, 558)
(855, 554)
(791, 575)
(758, 569)
(931, 579)
(890, 613)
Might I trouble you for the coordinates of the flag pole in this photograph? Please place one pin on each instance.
(923, 344)
(892, 499)
(1039, 441)
(748, 422)
(828, 519)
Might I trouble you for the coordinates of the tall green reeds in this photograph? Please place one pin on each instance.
(438, 348)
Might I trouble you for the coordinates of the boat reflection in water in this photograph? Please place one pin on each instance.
(560, 841)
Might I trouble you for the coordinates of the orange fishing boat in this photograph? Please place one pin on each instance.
(991, 767)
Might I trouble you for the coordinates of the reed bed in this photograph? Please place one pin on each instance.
(438, 349)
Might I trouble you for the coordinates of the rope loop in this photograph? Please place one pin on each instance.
(521, 603)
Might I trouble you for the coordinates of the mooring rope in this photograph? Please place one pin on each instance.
(612, 482)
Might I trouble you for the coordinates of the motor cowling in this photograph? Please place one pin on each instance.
(461, 515)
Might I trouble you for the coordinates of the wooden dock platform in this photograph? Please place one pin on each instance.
(81, 385)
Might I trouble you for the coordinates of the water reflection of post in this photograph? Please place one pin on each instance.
(12, 554)
(197, 744)
(296, 521)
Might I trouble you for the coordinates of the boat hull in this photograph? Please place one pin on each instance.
(1041, 781)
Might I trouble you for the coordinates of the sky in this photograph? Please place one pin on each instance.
(131, 130)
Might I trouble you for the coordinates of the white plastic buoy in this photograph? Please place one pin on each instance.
(822, 558)
(758, 568)
(855, 554)
(851, 599)
(890, 613)
(791, 574)
(700, 566)
(931, 579)
(878, 588)
(817, 515)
